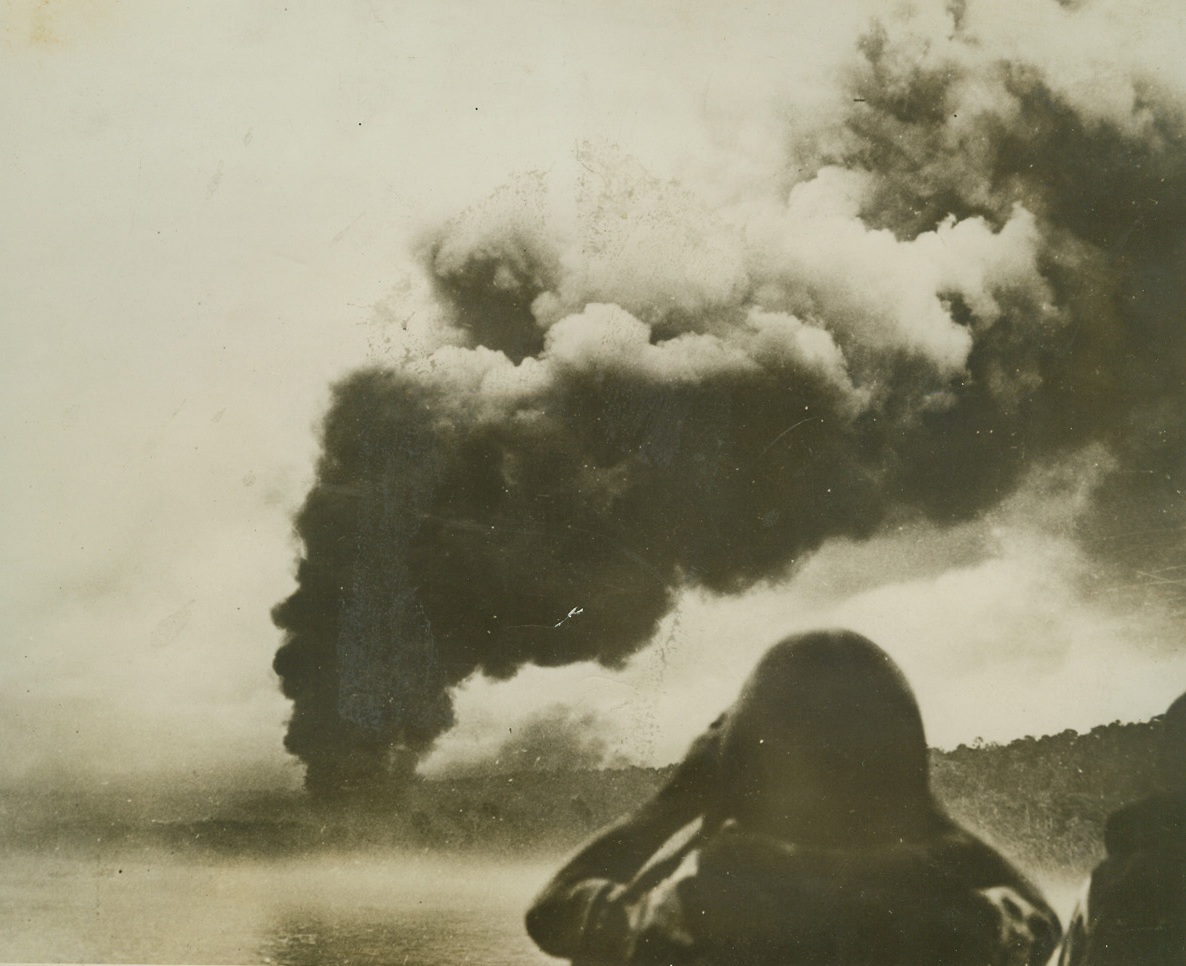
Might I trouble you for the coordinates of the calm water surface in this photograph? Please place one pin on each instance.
(412, 910)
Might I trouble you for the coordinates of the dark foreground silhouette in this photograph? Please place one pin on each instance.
(1133, 912)
(811, 837)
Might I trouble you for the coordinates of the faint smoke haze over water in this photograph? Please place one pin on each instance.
(972, 271)
(305, 912)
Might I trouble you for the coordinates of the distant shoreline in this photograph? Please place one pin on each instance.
(1043, 801)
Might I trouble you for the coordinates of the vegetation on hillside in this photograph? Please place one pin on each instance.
(1043, 801)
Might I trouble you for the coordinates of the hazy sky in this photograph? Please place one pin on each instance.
(211, 211)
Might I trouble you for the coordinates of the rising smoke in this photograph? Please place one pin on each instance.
(554, 738)
(977, 270)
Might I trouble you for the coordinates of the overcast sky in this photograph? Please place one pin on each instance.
(211, 212)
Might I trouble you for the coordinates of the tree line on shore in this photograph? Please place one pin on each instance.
(1043, 801)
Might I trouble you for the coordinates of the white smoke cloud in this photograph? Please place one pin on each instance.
(879, 293)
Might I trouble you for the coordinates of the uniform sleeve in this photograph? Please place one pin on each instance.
(660, 930)
(587, 924)
(1027, 934)
(603, 923)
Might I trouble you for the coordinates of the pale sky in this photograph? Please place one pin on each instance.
(210, 212)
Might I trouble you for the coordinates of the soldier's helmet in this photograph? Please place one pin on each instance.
(825, 745)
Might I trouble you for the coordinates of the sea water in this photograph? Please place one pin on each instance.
(155, 907)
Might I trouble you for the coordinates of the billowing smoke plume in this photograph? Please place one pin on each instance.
(979, 270)
(554, 738)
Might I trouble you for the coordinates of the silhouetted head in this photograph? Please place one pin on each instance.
(1172, 760)
(825, 745)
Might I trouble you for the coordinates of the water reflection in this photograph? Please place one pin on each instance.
(390, 908)
(420, 937)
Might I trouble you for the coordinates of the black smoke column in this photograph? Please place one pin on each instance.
(597, 432)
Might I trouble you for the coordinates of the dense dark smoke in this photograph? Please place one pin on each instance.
(977, 274)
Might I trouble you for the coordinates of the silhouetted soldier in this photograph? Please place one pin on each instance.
(819, 841)
(1134, 908)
